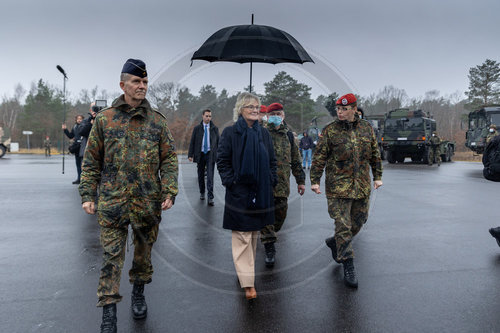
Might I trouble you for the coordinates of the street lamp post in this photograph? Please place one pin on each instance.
(65, 77)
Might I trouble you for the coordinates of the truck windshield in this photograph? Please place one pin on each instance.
(405, 124)
(495, 118)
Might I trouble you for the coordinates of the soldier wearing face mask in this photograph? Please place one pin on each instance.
(492, 133)
(287, 158)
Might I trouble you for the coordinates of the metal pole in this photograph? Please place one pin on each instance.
(251, 65)
(64, 120)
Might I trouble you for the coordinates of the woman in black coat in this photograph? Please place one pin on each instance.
(247, 167)
(77, 136)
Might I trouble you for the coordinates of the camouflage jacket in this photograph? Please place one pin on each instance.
(435, 141)
(348, 150)
(491, 136)
(287, 158)
(130, 155)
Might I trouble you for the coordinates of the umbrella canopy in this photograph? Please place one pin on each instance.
(252, 43)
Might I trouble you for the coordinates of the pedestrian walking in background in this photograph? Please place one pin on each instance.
(46, 144)
(203, 151)
(76, 135)
(287, 159)
(306, 144)
(130, 157)
(348, 149)
(247, 167)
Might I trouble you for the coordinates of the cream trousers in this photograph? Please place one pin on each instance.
(244, 245)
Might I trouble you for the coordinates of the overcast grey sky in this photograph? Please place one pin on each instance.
(413, 45)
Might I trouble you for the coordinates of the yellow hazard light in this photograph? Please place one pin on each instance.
(423, 138)
(382, 138)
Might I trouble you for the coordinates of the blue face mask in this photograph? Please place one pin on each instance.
(275, 120)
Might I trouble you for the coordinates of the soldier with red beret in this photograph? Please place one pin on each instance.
(348, 149)
(263, 114)
(287, 161)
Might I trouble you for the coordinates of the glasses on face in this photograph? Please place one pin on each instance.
(344, 108)
(252, 107)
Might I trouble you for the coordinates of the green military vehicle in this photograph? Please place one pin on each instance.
(407, 134)
(4, 142)
(377, 122)
(479, 122)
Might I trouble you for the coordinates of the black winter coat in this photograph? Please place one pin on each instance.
(491, 160)
(236, 215)
(196, 142)
(76, 134)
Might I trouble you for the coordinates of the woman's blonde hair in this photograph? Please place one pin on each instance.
(242, 100)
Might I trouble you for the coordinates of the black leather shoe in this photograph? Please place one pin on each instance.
(350, 274)
(495, 232)
(332, 244)
(108, 324)
(210, 201)
(139, 306)
(270, 252)
(202, 196)
(76, 181)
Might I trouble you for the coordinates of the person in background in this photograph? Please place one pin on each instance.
(46, 144)
(203, 151)
(306, 145)
(75, 134)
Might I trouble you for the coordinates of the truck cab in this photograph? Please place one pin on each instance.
(479, 122)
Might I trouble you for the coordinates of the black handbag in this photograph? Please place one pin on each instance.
(74, 148)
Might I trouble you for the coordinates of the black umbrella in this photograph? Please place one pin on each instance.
(252, 43)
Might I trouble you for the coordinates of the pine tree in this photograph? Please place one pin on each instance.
(484, 83)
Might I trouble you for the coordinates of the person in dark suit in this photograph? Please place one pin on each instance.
(203, 151)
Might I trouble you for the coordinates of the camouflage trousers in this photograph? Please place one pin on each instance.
(268, 233)
(349, 216)
(113, 241)
(434, 154)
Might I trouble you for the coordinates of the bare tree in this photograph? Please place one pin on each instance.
(11, 107)
(165, 96)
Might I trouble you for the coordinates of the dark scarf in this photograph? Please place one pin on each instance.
(254, 163)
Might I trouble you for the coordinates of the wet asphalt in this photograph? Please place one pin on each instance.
(425, 260)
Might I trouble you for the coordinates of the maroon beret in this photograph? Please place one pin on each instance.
(274, 107)
(346, 100)
(263, 109)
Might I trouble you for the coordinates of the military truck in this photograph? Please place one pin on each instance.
(407, 134)
(479, 122)
(377, 122)
(4, 142)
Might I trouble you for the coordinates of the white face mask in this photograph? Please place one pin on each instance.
(492, 130)
(264, 119)
(433, 134)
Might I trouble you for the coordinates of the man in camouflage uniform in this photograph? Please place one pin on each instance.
(492, 132)
(131, 158)
(435, 142)
(287, 157)
(348, 148)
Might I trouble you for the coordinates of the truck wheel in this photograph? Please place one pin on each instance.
(390, 157)
(3, 149)
(444, 157)
(427, 155)
(401, 159)
(450, 155)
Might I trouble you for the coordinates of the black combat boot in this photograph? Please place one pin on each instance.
(270, 252)
(332, 244)
(349, 273)
(108, 324)
(139, 306)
